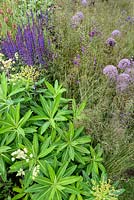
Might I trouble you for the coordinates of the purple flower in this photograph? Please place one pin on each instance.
(111, 72)
(130, 71)
(124, 63)
(75, 21)
(111, 42)
(80, 15)
(83, 49)
(123, 81)
(29, 43)
(116, 33)
(84, 2)
(92, 33)
(76, 60)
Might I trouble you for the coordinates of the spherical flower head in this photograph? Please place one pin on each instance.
(123, 81)
(116, 33)
(111, 42)
(84, 2)
(124, 63)
(130, 71)
(80, 15)
(75, 21)
(111, 72)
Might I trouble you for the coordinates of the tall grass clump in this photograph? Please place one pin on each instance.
(83, 47)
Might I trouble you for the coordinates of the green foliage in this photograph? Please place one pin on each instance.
(44, 148)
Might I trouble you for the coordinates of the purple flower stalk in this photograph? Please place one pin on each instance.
(116, 33)
(76, 60)
(111, 72)
(111, 42)
(29, 43)
(124, 63)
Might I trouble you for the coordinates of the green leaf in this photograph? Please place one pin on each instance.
(4, 149)
(46, 152)
(50, 87)
(35, 145)
(3, 169)
(62, 170)
(55, 105)
(25, 118)
(43, 181)
(69, 180)
(18, 196)
(45, 127)
(4, 85)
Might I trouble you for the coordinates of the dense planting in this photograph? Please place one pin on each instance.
(66, 100)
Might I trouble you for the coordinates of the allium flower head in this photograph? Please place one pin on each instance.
(111, 72)
(84, 2)
(123, 81)
(80, 15)
(111, 42)
(124, 63)
(76, 19)
(116, 33)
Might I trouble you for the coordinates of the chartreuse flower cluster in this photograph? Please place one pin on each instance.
(27, 73)
(104, 189)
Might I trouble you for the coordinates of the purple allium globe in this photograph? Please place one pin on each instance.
(116, 33)
(111, 42)
(111, 72)
(84, 2)
(75, 21)
(124, 63)
(123, 81)
(80, 15)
